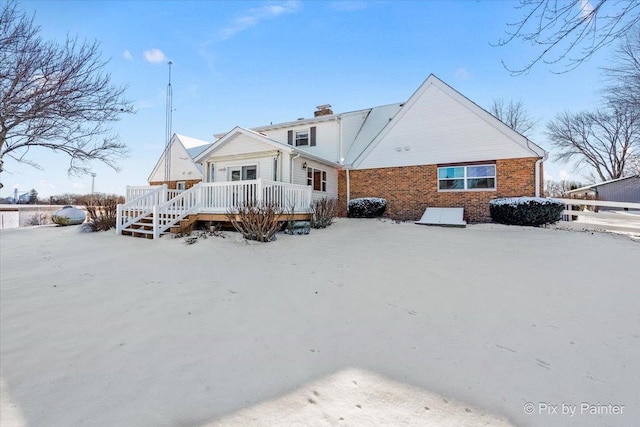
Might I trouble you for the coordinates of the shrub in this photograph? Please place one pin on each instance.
(533, 211)
(368, 207)
(103, 209)
(256, 221)
(38, 219)
(323, 212)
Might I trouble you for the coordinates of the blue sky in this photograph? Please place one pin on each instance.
(252, 63)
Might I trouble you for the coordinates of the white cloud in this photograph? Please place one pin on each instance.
(463, 74)
(254, 16)
(78, 186)
(586, 8)
(564, 175)
(127, 55)
(154, 56)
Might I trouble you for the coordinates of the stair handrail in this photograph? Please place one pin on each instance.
(171, 212)
(141, 207)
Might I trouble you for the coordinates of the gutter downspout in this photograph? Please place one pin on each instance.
(537, 167)
(340, 139)
(348, 188)
(291, 167)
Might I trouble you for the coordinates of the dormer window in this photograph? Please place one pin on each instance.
(302, 138)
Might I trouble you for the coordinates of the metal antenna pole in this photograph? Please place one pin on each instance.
(167, 154)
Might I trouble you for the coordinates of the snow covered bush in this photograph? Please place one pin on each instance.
(526, 210)
(366, 207)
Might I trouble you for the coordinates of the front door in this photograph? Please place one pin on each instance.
(244, 173)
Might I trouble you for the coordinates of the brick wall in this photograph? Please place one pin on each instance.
(188, 183)
(410, 190)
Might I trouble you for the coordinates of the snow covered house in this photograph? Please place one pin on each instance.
(437, 149)
(180, 172)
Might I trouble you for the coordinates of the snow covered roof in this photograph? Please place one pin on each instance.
(189, 142)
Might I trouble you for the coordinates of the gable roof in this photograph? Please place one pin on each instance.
(208, 151)
(465, 102)
(589, 187)
(189, 142)
(191, 146)
(377, 119)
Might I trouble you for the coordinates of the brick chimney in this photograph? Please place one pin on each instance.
(323, 110)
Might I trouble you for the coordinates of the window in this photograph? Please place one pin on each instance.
(302, 137)
(472, 177)
(275, 168)
(211, 175)
(317, 179)
(242, 173)
(181, 185)
(305, 137)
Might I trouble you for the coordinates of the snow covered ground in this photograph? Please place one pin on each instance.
(364, 323)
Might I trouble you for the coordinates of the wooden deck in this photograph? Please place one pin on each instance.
(223, 218)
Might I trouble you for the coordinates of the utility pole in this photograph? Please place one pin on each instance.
(93, 182)
(167, 153)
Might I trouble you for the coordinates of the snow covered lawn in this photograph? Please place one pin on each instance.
(364, 323)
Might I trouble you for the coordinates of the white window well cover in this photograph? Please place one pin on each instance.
(448, 217)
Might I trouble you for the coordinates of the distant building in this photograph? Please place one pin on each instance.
(625, 189)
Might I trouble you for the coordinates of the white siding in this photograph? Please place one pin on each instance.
(327, 139)
(242, 144)
(264, 164)
(438, 128)
(182, 166)
(300, 177)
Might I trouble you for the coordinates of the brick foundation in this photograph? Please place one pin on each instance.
(409, 190)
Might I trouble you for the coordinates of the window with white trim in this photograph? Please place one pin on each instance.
(211, 175)
(181, 185)
(302, 137)
(470, 177)
(317, 178)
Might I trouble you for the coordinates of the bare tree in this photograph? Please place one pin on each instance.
(560, 188)
(514, 115)
(55, 96)
(624, 74)
(568, 33)
(608, 141)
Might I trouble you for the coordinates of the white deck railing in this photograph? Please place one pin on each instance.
(219, 197)
(623, 217)
(170, 213)
(140, 206)
(168, 207)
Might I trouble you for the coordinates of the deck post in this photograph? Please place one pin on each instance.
(119, 218)
(165, 195)
(156, 228)
(309, 198)
(259, 195)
